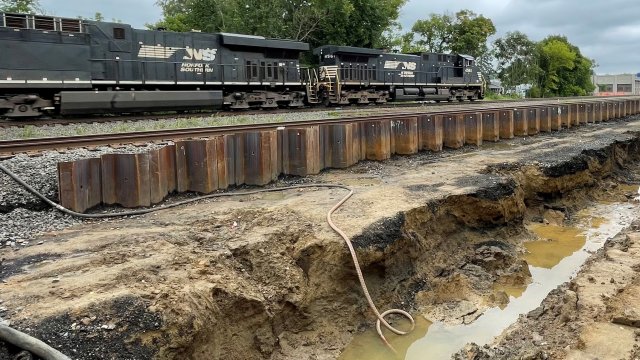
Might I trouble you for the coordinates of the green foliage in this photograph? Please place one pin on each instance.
(563, 69)
(435, 33)
(535, 92)
(20, 6)
(470, 33)
(340, 22)
(516, 59)
(465, 33)
(489, 95)
(28, 132)
(554, 66)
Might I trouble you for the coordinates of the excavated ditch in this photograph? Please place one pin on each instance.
(295, 296)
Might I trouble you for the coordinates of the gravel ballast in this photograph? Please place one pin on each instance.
(212, 120)
(22, 214)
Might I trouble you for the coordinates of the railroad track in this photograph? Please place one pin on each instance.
(257, 154)
(158, 117)
(12, 147)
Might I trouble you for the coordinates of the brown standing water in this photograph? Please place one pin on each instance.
(553, 259)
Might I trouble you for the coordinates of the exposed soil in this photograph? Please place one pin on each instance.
(594, 316)
(264, 277)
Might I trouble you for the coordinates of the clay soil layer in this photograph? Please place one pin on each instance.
(264, 277)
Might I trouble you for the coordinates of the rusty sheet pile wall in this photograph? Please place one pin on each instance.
(259, 157)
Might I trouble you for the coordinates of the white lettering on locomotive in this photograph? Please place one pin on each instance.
(197, 68)
(162, 52)
(400, 65)
(201, 54)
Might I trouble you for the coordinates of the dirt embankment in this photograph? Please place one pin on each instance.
(596, 315)
(265, 278)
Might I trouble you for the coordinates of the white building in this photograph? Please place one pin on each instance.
(622, 84)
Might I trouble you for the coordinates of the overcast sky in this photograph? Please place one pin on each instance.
(607, 31)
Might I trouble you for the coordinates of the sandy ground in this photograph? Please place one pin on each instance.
(264, 277)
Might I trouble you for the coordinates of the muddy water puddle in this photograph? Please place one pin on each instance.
(553, 259)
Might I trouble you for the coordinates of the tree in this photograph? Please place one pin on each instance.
(516, 59)
(564, 71)
(435, 33)
(340, 22)
(20, 6)
(470, 33)
(466, 33)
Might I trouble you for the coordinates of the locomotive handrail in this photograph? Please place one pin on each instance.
(282, 71)
(389, 73)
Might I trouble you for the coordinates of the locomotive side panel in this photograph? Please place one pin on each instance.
(40, 55)
(35, 59)
(259, 72)
(167, 58)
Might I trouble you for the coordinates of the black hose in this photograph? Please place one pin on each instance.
(30, 344)
(380, 316)
(150, 210)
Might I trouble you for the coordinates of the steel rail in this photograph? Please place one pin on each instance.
(9, 147)
(228, 113)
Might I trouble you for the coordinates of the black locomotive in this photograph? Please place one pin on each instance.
(349, 74)
(70, 66)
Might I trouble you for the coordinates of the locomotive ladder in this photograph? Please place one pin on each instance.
(312, 86)
(331, 74)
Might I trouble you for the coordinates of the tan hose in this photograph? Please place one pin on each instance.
(380, 317)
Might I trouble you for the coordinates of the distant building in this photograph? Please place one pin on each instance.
(622, 84)
(496, 87)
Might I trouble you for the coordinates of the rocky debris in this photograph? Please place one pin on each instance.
(553, 217)
(629, 317)
(492, 258)
(96, 336)
(475, 352)
(567, 310)
(572, 316)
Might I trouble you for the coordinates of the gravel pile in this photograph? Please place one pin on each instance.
(20, 226)
(22, 215)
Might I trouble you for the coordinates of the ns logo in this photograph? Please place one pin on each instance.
(201, 54)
